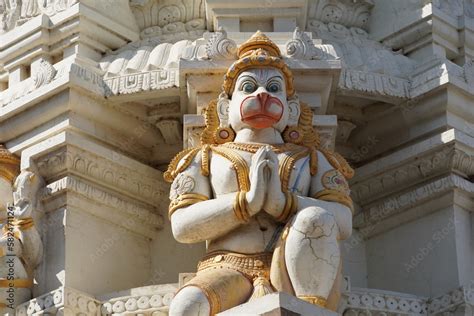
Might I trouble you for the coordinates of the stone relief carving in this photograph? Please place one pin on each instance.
(348, 13)
(369, 67)
(302, 47)
(220, 47)
(44, 75)
(156, 18)
(17, 12)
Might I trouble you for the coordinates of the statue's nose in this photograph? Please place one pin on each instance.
(262, 98)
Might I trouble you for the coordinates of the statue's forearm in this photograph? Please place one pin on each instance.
(205, 220)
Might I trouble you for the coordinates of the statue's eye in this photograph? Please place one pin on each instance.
(249, 87)
(273, 87)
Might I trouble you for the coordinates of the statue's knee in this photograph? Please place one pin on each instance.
(315, 222)
(189, 301)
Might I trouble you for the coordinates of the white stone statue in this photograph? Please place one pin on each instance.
(20, 243)
(271, 205)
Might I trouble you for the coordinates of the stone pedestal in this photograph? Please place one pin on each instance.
(277, 304)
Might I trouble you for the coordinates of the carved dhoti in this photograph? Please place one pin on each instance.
(242, 273)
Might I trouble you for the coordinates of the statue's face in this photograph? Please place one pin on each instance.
(259, 100)
(6, 194)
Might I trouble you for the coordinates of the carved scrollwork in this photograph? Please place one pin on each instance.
(44, 75)
(220, 47)
(302, 47)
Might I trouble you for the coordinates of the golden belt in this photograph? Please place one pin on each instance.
(251, 266)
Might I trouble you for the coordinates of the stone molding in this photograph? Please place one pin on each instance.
(134, 70)
(152, 300)
(114, 208)
(447, 25)
(110, 173)
(381, 211)
(440, 154)
(155, 300)
(360, 302)
(63, 301)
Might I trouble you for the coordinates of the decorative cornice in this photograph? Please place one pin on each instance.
(145, 219)
(141, 82)
(378, 212)
(110, 174)
(440, 155)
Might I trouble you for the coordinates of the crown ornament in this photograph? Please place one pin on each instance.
(258, 52)
(9, 165)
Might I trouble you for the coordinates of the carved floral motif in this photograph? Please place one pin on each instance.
(349, 13)
(155, 18)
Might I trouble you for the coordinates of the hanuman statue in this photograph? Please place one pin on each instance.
(21, 248)
(270, 203)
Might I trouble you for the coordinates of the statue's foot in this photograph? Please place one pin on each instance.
(190, 301)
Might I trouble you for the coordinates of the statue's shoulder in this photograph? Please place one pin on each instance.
(183, 160)
(337, 162)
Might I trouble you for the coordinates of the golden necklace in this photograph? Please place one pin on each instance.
(254, 147)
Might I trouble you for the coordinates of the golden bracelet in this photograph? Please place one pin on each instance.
(241, 207)
(185, 200)
(335, 196)
(291, 206)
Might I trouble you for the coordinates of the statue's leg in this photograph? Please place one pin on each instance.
(312, 254)
(211, 291)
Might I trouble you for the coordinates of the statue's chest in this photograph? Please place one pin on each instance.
(230, 171)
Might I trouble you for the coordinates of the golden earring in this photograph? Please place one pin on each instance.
(293, 134)
(224, 135)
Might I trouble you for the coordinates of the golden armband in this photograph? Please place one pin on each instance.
(335, 196)
(241, 207)
(24, 223)
(185, 200)
(291, 206)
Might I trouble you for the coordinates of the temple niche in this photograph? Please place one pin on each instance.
(104, 103)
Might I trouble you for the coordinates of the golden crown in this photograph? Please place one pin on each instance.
(257, 52)
(9, 165)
